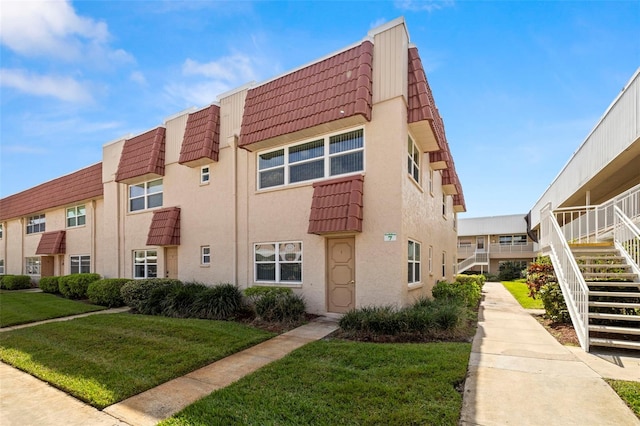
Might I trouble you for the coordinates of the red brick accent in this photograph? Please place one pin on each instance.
(52, 243)
(165, 227)
(201, 136)
(337, 205)
(142, 155)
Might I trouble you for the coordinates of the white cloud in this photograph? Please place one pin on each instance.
(24, 149)
(423, 5)
(229, 68)
(138, 77)
(63, 88)
(53, 29)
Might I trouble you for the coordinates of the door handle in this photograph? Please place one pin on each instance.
(352, 282)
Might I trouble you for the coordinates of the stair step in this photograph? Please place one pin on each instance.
(621, 305)
(607, 258)
(623, 275)
(605, 265)
(613, 284)
(614, 329)
(614, 293)
(621, 317)
(613, 343)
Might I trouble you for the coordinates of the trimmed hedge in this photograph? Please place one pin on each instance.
(49, 285)
(280, 305)
(106, 292)
(75, 286)
(146, 296)
(467, 294)
(467, 279)
(15, 282)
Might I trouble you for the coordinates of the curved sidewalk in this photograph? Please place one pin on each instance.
(520, 375)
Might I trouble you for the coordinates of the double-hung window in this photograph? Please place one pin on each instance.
(413, 262)
(1, 229)
(320, 158)
(32, 265)
(413, 160)
(36, 224)
(205, 255)
(145, 264)
(80, 264)
(444, 264)
(1, 266)
(278, 262)
(76, 216)
(205, 175)
(146, 195)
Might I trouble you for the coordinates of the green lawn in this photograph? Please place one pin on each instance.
(103, 359)
(340, 382)
(21, 308)
(520, 291)
(629, 392)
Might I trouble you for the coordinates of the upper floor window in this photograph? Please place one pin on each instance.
(76, 216)
(329, 156)
(444, 205)
(1, 229)
(35, 224)
(205, 175)
(146, 195)
(80, 264)
(413, 262)
(515, 240)
(278, 262)
(430, 180)
(413, 160)
(205, 255)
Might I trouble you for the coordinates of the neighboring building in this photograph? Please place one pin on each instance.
(335, 180)
(484, 243)
(587, 222)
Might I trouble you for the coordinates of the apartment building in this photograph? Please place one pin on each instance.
(484, 243)
(334, 179)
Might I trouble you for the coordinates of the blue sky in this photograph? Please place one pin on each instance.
(519, 84)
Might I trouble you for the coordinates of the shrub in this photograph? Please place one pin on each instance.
(106, 292)
(511, 270)
(554, 303)
(491, 277)
(468, 279)
(280, 306)
(255, 293)
(15, 282)
(220, 302)
(75, 286)
(49, 284)
(467, 294)
(146, 296)
(539, 273)
(179, 300)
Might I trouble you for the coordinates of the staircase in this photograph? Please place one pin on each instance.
(614, 295)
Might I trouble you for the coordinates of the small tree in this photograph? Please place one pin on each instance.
(539, 273)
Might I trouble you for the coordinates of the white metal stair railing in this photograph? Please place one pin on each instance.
(475, 259)
(626, 237)
(568, 274)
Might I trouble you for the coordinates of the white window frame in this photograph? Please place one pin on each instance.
(76, 217)
(146, 256)
(326, 157)
(205, 255)
(83, 261)
(413, 160)
(278, 261)
(146, 195)
(1, 230)
(35, 225)
(205, 175)
(414, 263)
(444, 264)
(32, 265)
(1, 266)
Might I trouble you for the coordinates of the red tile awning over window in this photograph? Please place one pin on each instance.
(142, 155)
(165, 227)
(337, 206)
(52, 243)
(201, 136)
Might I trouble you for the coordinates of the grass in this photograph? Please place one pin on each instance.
(342, 382)
(22, 308)
(629, 392)
(520, 291)
(103, 359)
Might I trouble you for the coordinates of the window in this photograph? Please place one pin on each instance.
(464, 243)
(205, 255)
(145, 264)
(430, 180)
(413, 263)
(80, 264)
(1, 266)
(444, 264)
(515, 240)
(413, 160)
(1, 229)
(444, 205)
(278, 262)
(329, 156)
(146, 195)
(76, 216)
(430, 259)
(35, 224)
(519, 240)
(32, 265)
(204, 175)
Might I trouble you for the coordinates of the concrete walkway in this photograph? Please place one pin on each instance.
(25, 400)
(520, 375)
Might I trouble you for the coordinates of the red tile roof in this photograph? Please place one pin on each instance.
(329, 90)
(201, 136)
(165, 227)
(78, 186)
(52, 243)
(337, 205)
(142, 155)
(421, 106)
